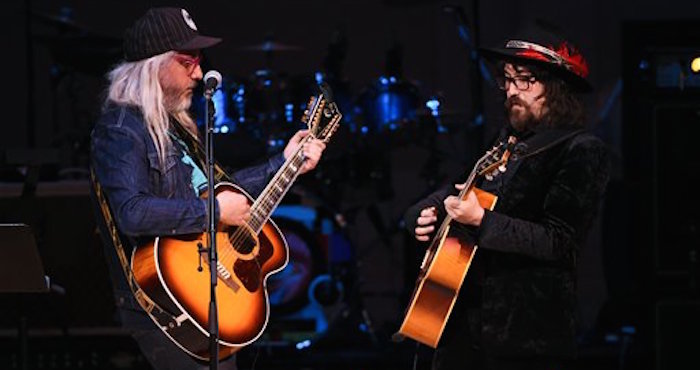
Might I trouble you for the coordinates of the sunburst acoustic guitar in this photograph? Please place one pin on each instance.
(174, 272)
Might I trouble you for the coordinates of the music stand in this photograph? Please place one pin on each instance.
(21, 271)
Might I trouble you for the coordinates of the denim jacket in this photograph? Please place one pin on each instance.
(148, 199)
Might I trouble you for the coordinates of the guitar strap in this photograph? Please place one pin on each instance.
(544, 140)
(530, 146)
(144, 301)
(195, 148)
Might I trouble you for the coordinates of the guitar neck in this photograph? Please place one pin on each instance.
(272, 195)
(481, 168)
(448, 219)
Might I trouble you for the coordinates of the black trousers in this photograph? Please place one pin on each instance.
(161, 352)
(460, 349)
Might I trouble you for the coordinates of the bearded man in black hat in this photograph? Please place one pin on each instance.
(150, 168)
(517, 306)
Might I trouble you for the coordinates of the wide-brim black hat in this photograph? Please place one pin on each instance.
(541, 45)
(163, 29)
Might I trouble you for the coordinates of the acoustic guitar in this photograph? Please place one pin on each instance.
(447, 261)
(174, 272)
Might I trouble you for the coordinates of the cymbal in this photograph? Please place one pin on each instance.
(62, 21)
(270, 46)
(91, 54)
(84, 43)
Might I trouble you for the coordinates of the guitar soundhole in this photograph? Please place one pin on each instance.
(242, 241)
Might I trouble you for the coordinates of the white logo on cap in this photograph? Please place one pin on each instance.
(188, 19)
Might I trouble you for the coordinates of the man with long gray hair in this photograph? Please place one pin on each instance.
(149, 168)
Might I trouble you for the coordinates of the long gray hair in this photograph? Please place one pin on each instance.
(137, 84)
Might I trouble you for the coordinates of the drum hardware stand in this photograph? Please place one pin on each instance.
(477, 69)
(345, 274)
(354, 309)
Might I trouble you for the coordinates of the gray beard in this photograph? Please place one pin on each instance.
(176, 104)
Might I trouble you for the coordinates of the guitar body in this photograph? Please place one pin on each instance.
(442, 273)
(174, 273)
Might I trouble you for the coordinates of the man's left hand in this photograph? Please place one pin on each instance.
(467, 211)
(312, 150)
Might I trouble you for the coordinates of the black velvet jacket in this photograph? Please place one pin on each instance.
(524, 272)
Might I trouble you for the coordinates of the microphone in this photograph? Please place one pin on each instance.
(212, 81)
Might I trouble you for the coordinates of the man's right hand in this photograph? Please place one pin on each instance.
(425, 223)
(233, 208)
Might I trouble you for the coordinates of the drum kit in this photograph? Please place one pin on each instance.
(268, 104)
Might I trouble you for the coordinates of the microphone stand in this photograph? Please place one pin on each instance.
(470, 40)
(477, 70)
(213, 258)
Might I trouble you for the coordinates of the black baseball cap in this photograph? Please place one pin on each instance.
(161, 30)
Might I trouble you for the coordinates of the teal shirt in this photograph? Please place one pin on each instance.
(199, 180)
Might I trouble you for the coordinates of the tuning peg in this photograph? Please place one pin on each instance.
(502, 168)
(327, 112)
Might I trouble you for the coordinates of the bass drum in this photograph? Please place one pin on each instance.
(387, 105)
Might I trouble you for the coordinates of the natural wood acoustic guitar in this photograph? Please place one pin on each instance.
(447, 261)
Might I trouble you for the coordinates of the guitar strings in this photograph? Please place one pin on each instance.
(296, 160)
(478, 168)
(240, 234)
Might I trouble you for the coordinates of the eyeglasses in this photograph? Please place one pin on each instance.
(189, 63)
(522, 83)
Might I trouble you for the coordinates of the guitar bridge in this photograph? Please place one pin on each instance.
(221, 271)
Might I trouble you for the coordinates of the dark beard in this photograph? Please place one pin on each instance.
(519, 121)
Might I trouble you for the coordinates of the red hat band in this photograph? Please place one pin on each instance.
(565, 55)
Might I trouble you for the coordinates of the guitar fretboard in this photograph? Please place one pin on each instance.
(483, 164)
(266, 203)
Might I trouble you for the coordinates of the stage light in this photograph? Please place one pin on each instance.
(644, 64)
(695, 65)
(303, 344)
(434, 105)
(289, 112)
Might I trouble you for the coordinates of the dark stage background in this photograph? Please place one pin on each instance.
(417, 113)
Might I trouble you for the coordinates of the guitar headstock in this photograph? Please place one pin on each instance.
(322, 115)
(495, 160)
